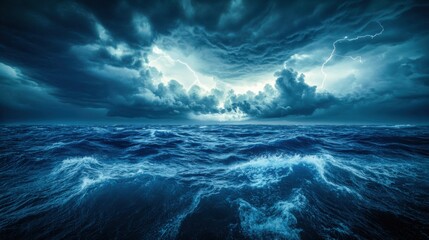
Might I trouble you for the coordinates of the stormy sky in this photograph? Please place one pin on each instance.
(217, 61)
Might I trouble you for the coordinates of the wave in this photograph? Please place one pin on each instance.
(276, 221)
(202, 182)
(162, 133)
(90, 171)
(395, 126)
(269, 169)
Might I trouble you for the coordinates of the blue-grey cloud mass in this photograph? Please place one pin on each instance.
(214, 60)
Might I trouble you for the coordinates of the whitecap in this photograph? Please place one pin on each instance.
(272, 222)
(100, 129)
(156, 132)
(270, 169)
(55, 146)
(92, 172)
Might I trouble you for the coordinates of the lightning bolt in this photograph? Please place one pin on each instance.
(197, 79)
(357, 58)
(163, 54)
(346, 39)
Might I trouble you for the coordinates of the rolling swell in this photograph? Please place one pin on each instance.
(221, 182)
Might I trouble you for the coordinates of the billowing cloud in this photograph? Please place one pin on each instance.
(290, 96)
(169, 100)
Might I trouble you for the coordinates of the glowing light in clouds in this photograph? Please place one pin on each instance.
(346, 39)
(173, 67)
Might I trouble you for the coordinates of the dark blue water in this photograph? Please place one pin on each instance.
(214, 182)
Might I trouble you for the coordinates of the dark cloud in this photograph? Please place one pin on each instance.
(23, 99)
(166, 101)
(92, 58)
(291, 96)
(261, 35)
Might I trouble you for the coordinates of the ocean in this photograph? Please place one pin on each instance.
(214, 182)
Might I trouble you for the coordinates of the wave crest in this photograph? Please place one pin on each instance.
(272, 222)
(269, 169)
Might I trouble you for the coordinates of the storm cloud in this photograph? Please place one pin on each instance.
(179, 59)
(290, 96)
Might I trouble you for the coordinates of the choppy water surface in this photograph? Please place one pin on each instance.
(214, 182)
